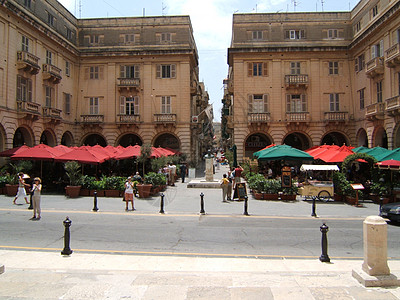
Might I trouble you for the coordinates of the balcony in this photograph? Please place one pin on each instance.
(259, 117)
(128, 119)
(92, 119)
(52, 114)
(28, 62)
(51, 73)
(392, 105)
(165, 118)
(297, 117)
(229, 122)
(375, 111)
(336, 116)
(193, 87)
(28, 110)
(296, 81)
(128, 84)
(375, 67)
(393, 56)
(228, 85)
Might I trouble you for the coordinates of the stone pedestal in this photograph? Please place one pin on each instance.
(375, 270)
(209, 169)
(1, 269)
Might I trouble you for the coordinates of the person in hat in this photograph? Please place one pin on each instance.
(36, 193)
(129, 193)
(21, 188)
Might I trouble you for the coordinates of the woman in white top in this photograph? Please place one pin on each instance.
(129, 193)
(36, 193)
(21, 188)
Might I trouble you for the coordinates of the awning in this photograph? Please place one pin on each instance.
(319, 168)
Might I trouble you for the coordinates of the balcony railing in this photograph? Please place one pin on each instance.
(336, 116)
(375, 111)
(393, 56)
(297, 116)
(31, 107)
(92, 119)
(28, 61)
(51, 73)
(392, 105)
(375, 67)
(128, 83)
(296, 80)
(53, 113)
(128, 119)
(228, 85)
(165, 118)
(259, 117)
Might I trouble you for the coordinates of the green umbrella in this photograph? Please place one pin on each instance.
(283, 152)
(393, 154)
(360, 149)
(378, 152)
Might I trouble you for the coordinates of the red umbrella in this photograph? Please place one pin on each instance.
(389, 164)
(63, 149)
(129, 152)
(84, 155)
(13, 151)
(38, 152)
(316, 151)
(333, 155)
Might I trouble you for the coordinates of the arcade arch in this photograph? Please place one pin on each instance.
(334, 138)
(362, 138)
(130, 139)
(380, 138)
(167, 140)
(297, 140)
(23, 136)
(48, 138)
(255, 142)
(94, 139)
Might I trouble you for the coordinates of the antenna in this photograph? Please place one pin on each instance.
(294, 4)
(80, 9)
(322, 4)
(163, 7)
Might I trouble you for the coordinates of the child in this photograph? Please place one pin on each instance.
(224, 185)
(36, 193)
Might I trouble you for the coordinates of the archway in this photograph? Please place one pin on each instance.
(380, 138)
(130, 139)
(396, 137)
(362, 138)
(94, 139)
(48, 139)
(167, 140)
(21, 137)
(297, 140)
(334, 138)
(255, 142)
(67, 139)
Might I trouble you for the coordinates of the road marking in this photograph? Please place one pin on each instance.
(147, 214)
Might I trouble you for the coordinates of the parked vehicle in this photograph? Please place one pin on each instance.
(391, 211)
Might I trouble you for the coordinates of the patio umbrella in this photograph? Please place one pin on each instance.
(318, 151)
(284, 152)
(259, 152)
(129, 152)
(13, 151)
(62, 148)
(393, 154)
(361, 149)
(336, 155)
(38, 152)
(390, 164)
(83, 155)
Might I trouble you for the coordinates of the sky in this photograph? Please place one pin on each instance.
(211, 22)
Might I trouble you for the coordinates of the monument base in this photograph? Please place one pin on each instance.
(197, 183)
(1, 269)
(375, 281)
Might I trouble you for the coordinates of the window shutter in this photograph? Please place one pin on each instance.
(173, 71)
(250, 103)
(266, 109)
(288, 109)
(303, 103)
(101, 39)
(101, 72)
(29, 90)
(158, 71)
(122, 105)
(302, 34)
(249, 69)
(122, 72)
(265, 69)
(380, 48)
(356, 65)
(337, 102)
(122, 39)
(137, 71)
(136, 105)
(373, 51)
(19, 88)
(86, 40)
(287, 34)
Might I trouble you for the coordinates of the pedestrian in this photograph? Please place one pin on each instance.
(183, 170)
(137, 177)
(230, 184)
(129, 193)
(21, 188)
(36, 194)
(238, 174)
(224, 183)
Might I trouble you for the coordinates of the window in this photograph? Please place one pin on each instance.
(296, 103)
(67, 68)
(94, 39)
(129, 105)
(67, 103)
(333, 34)
(377, 50)
(94, 72)
(379, 92)
(49, 96)
(50, 19)
(93, 106)
(166, 71)
(258, 103)
(27, 3)
(129, 38)
(49, 57)
(69, 34)
(359, 63)
(358, 27)
(333, 68)
(257, 69)
(361, 98)
(25, 44)
(375, 11)
(166, 37)
(24, 89)
(129, 71)
(165, 104)
(295, 68)
(333, 102)
(295, 34)
(257, 35)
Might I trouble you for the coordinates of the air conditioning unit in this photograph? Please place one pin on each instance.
(195, 119)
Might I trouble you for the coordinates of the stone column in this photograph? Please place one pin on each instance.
(209, 168)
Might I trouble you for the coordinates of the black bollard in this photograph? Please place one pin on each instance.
(324, 244)
(245, 206)
(30, 202)
(202, 211)
(67, 250)
(162, 203)
(313, 214)
(95, 202)
(380, 205)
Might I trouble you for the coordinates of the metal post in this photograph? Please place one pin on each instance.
(162, 204)
(324, 244)
(245, 206)
(313, 214)
(95, 202)
(30, 202)
(380, 205)
(67, 250)
(202, 211)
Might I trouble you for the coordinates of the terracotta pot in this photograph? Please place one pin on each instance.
(351, 200)
(100, 193)
(111, 193)
(144, 190)
(84, 192)
(338, 198)
(258, 196)
(72, 191)
(270, 196)
(12, 189)
(288, 197)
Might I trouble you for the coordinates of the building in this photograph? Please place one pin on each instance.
(109, 81)
(306, 79)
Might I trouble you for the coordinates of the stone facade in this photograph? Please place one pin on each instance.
(111, 81)
(306, 79)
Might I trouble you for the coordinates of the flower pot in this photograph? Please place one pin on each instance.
(84, 192)
(72, 191)
(270, 196)
(144, 190)
(12, 189)
(337, 198)
(111, 193)
(288, 197)
(350, 200)
(100, 193)
(258, 196)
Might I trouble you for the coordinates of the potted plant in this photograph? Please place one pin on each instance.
(290, 193)
(157, 180)
(271, 189)
(12, 177)
(339, 185)
(98, 186)
(73, 171)
(87, 185)
(3, 181)
(256, 184)
(144, 189)
(112, 186)
(378, 190)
